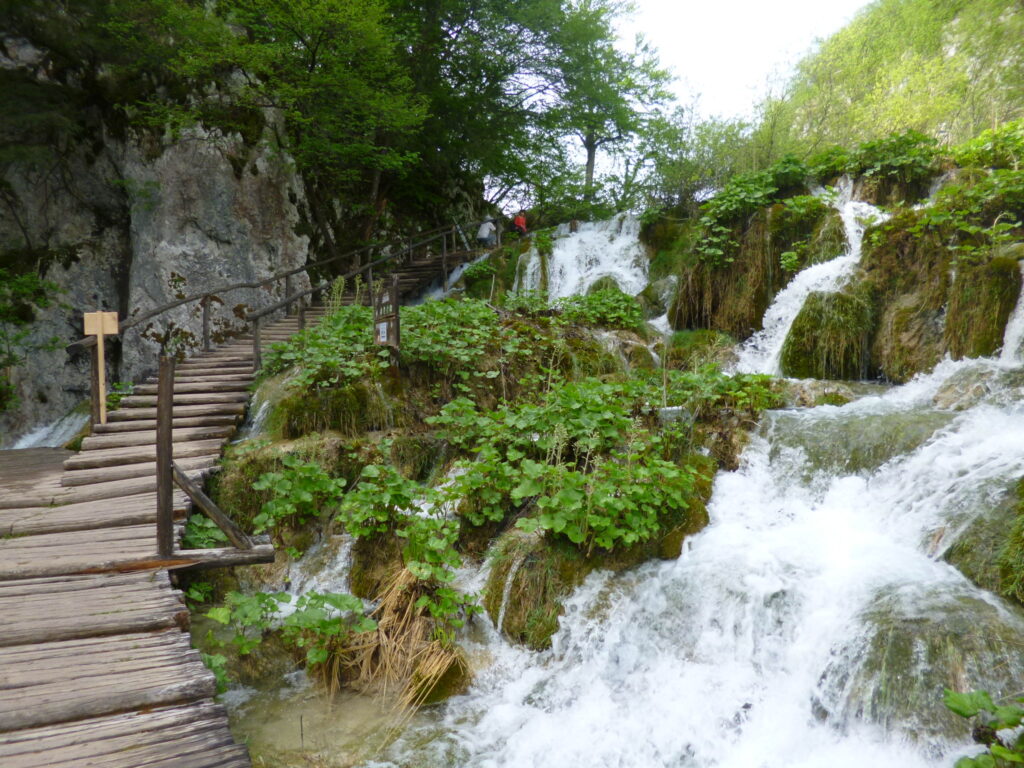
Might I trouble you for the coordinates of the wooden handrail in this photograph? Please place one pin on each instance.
(128, 323)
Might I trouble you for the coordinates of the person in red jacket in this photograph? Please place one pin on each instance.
(519, 223)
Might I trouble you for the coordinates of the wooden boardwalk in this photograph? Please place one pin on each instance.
(96, 667)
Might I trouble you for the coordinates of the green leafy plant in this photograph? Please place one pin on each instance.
(324, 623)
(302, 491)
(608, 308)
(990, 718)
(479, 271)
(118, 390)
(202, 533)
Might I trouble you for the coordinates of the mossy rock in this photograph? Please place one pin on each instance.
(543, 574)
(416, 456)
(350, 410)
(989, 551)
(691, 349)
(375, 560)
(908, 339)
(606, 283)
(827, 241)
(980, 302)
(1011, 555)
(831, 336)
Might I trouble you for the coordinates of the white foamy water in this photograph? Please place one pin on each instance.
(55, 434)
(599, 249)
(762, 352)
(1013, 338)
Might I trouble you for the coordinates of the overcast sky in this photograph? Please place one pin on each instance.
(726, 50)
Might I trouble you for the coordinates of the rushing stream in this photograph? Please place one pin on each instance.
(813, 623)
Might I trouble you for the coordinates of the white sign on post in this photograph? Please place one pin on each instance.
(100, 325)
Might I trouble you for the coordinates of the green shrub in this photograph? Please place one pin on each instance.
(607, 308)
(1003, 751)
(1001, 147)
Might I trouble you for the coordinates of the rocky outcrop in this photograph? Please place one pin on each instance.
(127, 223)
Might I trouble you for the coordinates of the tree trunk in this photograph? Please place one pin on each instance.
(590, 144)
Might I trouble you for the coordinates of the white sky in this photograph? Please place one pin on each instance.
(727, 50)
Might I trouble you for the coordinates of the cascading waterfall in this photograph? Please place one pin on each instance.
(55, 434)
(1014, 336)
(762, 352)
(811, 623)
(579, 259)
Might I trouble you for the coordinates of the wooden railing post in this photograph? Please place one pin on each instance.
(256, 344)
(164, 448)
(205, 303)
(302, 315)
(287, 293)
(94, 385)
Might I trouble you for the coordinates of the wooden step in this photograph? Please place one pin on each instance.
(130, 740)
(69, 680)
(180, 411)
(105, 604)
(139, 509)
(195, 386)
(146, 470)
(197, 398)
(148, 437)
(115, 488)
(136, 425)
(138, 454)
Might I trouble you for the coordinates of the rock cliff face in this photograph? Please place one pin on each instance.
(128, 223)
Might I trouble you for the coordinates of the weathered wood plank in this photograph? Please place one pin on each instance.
(139, 425)
(206, 385)
(129, 471)
(180, 411)
(99, 458)
(107, 513)
(200, 398)
(142, 436)
(116, 488)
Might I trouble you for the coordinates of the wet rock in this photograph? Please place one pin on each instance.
(965, 389)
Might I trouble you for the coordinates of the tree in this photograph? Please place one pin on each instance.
(603, 93)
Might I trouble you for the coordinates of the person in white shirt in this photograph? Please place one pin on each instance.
(486, 234)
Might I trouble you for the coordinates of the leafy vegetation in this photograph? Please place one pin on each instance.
(20, 296)
(991, 719)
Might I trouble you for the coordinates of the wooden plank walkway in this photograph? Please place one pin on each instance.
(96, 667)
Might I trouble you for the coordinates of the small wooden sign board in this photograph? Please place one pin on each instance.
(386, 315)
(100, 325)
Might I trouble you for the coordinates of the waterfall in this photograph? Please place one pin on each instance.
(762, 352)
(55, 434)
(598, 249)
(506, 592)
(1014, 335)
(805, 626)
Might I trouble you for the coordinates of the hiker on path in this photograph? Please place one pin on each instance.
(485, 236)
(519, 223)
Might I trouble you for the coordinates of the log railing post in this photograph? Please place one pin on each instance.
(205, 303)
(256, 344)
(94, 384)
(164, 448)
(287, 293)
(302, 315)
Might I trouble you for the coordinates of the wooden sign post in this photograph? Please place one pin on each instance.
(386, 326)
(100, 325)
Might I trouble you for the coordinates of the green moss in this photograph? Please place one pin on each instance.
(691, 349)
(980, 302)
(606, 283)
(374, 563)
(415, 456)
(983, 552)
(1011, 558)
(350, 410)
(831, 337)
(831, 398)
